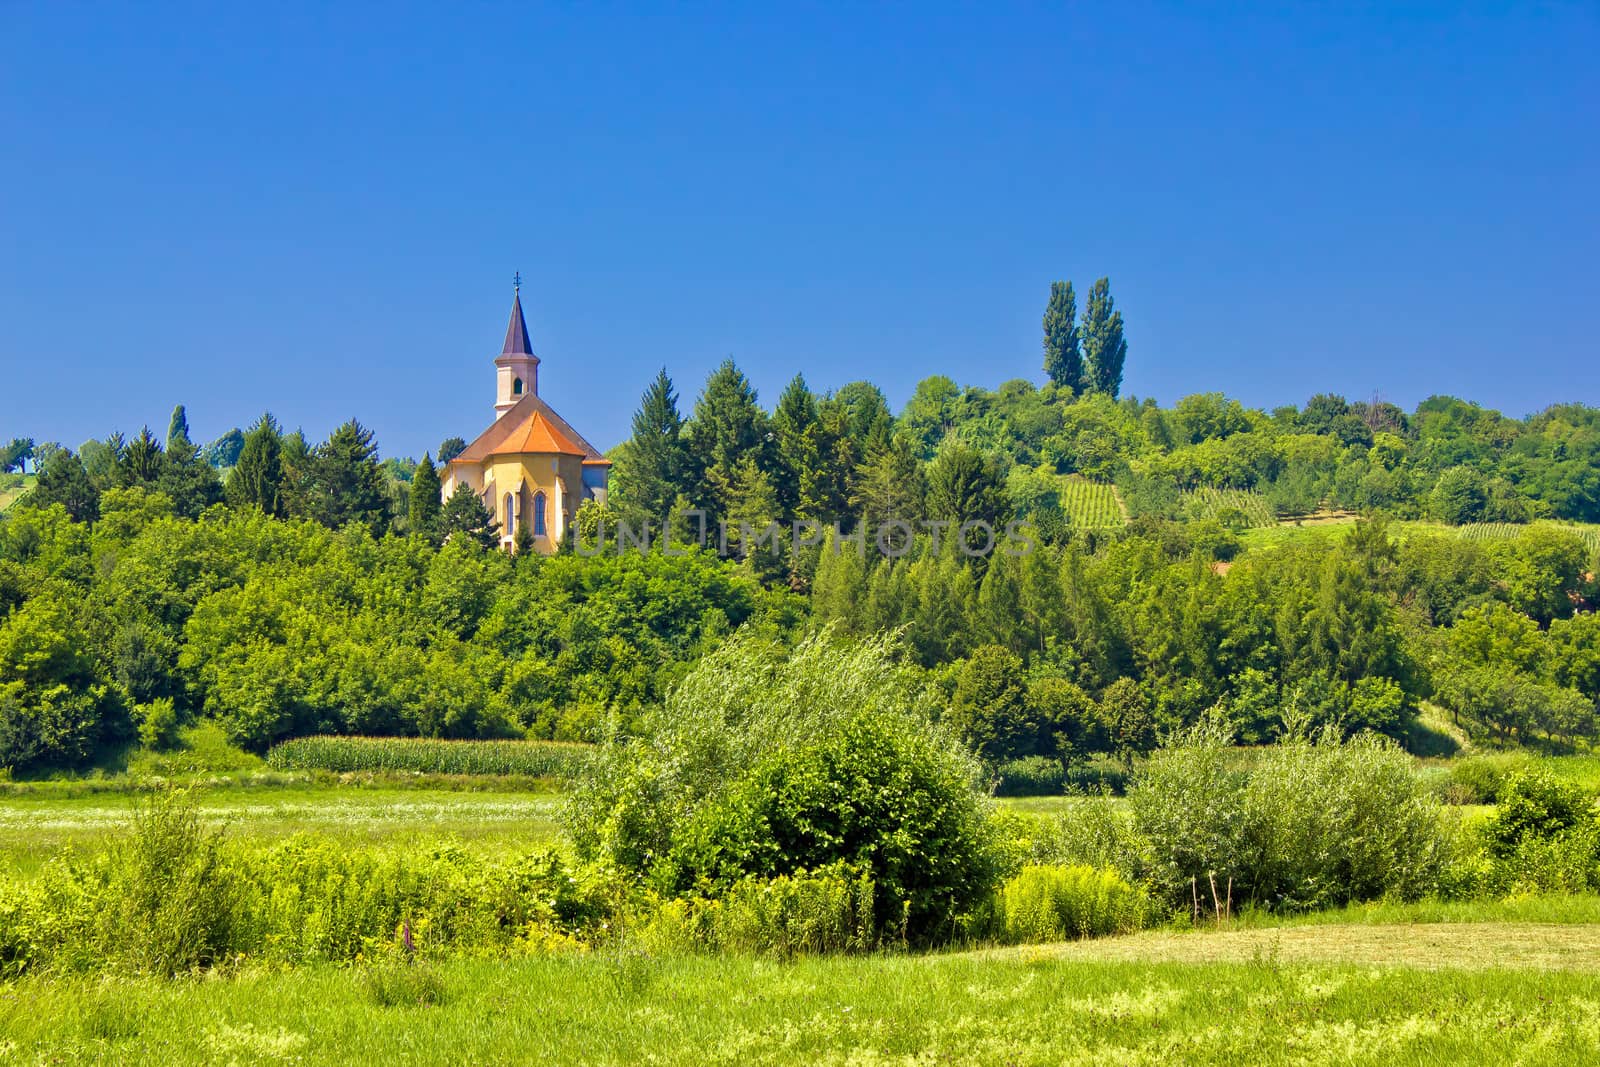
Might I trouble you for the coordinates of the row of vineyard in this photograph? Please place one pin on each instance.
(1505, 531)
(1090, 505)
(1233, 507)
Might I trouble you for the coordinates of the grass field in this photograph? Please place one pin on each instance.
(1473, 981)
(34, 826)
(12, 487)
(1269, 536)
(1396, 995)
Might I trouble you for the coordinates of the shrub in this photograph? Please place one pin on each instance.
(1478, 779)
(175, 903)
(766, 762)
(1041, 776)
(542, 759)
(158, 724)
(1097, 832)
(1031, 776)
(174, 896)
(1535, 805)
(882, 793)
(1051, 903)
(805, 913)
(1310, 825)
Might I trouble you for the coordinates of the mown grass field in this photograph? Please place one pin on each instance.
(36, 826)
(1223, 1004)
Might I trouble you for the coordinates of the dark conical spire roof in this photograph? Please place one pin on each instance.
(517, 332)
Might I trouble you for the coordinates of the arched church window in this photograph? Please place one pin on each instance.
(508, 523)
(516, 387)
(538, 514)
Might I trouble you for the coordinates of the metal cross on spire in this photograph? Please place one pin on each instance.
(516, 281)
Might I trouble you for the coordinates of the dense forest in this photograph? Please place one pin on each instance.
(282, 587)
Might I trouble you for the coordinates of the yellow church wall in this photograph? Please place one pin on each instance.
(536, 473)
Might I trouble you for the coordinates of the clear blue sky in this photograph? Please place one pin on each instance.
(269, 206)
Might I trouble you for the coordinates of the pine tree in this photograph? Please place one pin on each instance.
(654, 465)
(186, 477)
(522, 543)
(1104, 347)
(728, 425)
(797, 438)
(62, 480)
(257, 478)
(753, 505)
(296, 491)
(347, 483)
(425, 502)
(1063, 360)
(889, 484)
(142, 461)
(963, 486)
(467, 516)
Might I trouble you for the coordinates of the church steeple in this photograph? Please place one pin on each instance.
(516, 368)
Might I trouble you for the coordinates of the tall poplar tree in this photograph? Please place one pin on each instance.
(177, 426)
(1063, 360)
(186, 477)
(1104, 347)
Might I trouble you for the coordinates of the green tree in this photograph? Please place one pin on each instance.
(728, 424)
(1129, 720)
(1105, 349)
(964, 486)
(347, 483)
(799, 479)
(930, 414)
(465, 514)
(1458, 497)
(449, 449)
(1063, 359)
(989, 709)
(889, 484)
(257, 478)
(142, 461)
(224, 451)
(1068, 718)
(186, 477)
(16, 454)
(425, 498)
(177, 426)
(64, 481)
(654, 467)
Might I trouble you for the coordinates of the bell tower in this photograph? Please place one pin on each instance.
(516, 368)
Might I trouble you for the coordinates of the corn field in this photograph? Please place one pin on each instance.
(1090, 505)
(1212, 503)
(540, 759)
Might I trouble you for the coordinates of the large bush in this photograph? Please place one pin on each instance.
(768, 761)
(1312, 824)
